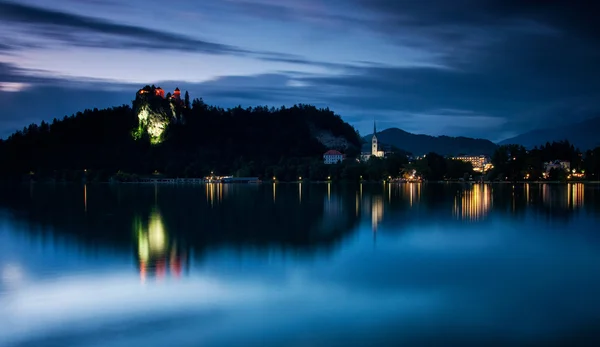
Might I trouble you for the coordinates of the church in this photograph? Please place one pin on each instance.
(376, 148)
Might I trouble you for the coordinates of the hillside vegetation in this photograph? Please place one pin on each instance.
(178, 139)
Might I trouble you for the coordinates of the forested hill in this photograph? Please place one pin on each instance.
(177, 138)
(423, 144)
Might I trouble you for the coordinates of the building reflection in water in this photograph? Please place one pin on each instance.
(412, 193)
(85, 197)
(371, 206)
(157, 255)
(577, 193)
(358, 203)
(333, 211)
(214, 192)
(376, 211)
(473, 204)
(570, 196)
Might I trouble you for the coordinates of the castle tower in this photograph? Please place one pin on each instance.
(177, 94)
(374, 146)
(159, 92)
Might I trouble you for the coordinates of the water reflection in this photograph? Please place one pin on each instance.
(275, 249)
(412, 193)
(474, 203)
(214, 192)
(376, 211)
(156, 252)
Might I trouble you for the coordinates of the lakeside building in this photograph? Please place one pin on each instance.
(333, 157)
(557, 164)
(481, 163)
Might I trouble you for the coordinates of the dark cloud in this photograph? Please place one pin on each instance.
(5, 47)
(92, 32)
(577, 16)
(463, 27)
(510, 65)
(55, 24)
(14, 74)
(533, 63)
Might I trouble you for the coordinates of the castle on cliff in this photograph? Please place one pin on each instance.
(159, 92)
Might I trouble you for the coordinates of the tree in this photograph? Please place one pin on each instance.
(186, 99)
(510, 161)
(456, 169)
(437, 166)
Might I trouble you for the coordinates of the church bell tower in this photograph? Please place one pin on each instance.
(374, 147)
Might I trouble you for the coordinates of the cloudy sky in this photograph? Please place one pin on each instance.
(481, 68)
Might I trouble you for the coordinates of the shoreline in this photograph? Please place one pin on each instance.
(198, 182)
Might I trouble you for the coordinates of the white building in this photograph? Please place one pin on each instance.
(557, 164)
(332, 157)
(481, 163)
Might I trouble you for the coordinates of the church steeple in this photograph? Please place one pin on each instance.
(374, 145)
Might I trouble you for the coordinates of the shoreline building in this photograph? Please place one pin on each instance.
(332, 157)
(481, 163)
(556, 165)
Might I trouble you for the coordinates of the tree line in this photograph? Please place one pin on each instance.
(516, 163)
(280, 143)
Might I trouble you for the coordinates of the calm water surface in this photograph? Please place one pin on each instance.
(300, 265)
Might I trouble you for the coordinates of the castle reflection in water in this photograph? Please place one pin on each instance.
(157, 255)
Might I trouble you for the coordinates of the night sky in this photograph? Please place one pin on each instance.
(481, 68)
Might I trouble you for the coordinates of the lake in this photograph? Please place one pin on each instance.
(300, 265)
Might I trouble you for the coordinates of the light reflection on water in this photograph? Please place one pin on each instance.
(266, 264)
(475, 203)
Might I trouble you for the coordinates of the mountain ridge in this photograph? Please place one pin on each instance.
(419, 144)
(583, 135)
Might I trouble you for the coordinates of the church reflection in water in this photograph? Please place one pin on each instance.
(157, 255)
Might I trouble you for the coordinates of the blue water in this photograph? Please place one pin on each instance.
(300, 265)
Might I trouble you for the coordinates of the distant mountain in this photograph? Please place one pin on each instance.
(423, 144)
(584, 135)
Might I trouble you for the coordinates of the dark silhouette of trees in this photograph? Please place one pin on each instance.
(97, 144)
(264, 142)
(186, 99)
(514, 162)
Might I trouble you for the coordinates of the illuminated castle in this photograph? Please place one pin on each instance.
(158, 91)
